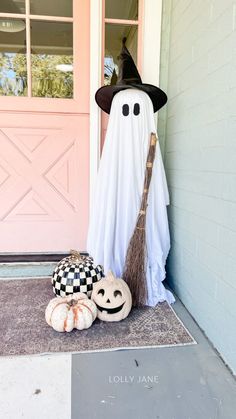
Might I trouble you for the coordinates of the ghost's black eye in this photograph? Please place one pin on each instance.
(101, 291)
(125, 110)
(136, 109)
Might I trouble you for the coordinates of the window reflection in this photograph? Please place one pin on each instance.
(12, 6)
(13, 69)
(52, 59)
(113, 42)
(122, 9)
(51, 7)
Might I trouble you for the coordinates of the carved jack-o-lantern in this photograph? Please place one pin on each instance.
(112, 297)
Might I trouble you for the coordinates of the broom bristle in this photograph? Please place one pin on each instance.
(135, 266)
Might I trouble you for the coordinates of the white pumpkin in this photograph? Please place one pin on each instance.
(66, 313)
(112, 297)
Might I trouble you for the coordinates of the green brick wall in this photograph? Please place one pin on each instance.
(198, 130)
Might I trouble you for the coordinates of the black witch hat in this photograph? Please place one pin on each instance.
(128, 78)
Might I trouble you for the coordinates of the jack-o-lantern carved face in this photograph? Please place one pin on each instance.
(112, 298)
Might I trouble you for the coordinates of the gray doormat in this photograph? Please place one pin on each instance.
(24, 331)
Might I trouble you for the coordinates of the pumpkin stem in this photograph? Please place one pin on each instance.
(76, 255)
(110, 275)
(72, 302)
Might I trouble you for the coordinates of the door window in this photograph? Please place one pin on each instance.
(36, 48)
(13, 65)
(122, 9)
(122, 19)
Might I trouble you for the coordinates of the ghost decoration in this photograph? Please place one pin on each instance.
(120, 181)
(112, 298)
(119, 190)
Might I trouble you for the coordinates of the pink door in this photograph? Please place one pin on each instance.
(44, 133)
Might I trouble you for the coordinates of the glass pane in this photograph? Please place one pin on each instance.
(122, 9)
(13, 71)
(52, 59)
(12, 6)
(52, 7)
(113, 44)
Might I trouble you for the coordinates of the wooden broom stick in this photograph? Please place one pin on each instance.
(135, 263)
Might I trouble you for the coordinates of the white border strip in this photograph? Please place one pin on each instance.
(180, 321)
(16, 278)
(95, 82)
(10, 264)
(119, 348)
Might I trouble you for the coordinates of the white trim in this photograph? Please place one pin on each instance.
(151, 41)
(95, 82)
(152, 18)
(20, 278)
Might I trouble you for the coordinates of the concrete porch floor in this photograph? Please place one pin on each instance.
(186, 382)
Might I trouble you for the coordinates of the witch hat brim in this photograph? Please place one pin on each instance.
(128, 78)
(105, 94)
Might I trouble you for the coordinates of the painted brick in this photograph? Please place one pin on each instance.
(184, 160)
(229, 271)
(231, 131)
(214, 134)
(176, 253)
(178, 11)
(211, 257)
(184, 239)
(216, 32)
(177, 141)
(216, 83)
(197, 71)
(199, 226)
(189, 23)
(232, 68)
(221, 54)
(200, 161)
(218, 7)
(227, 241)
(204, 183)
(211, 160)
(229, 187)
(226, 296)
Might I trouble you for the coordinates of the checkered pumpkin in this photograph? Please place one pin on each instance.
(75, 273)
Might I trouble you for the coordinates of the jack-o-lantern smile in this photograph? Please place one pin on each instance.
(110, 310)
(112, 298)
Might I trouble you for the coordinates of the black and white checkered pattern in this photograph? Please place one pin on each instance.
(71, 276)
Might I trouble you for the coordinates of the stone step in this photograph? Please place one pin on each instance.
(26, 270)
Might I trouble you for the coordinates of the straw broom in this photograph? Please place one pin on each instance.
(135, 263)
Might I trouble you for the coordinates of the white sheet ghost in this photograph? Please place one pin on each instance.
(119, 190)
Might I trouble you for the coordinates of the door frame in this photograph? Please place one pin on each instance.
(150, 65)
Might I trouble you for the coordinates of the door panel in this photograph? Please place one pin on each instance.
(44, 182)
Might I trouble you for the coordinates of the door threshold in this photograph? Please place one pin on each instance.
(34, 257)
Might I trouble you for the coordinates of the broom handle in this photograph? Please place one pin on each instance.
(148, 172)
